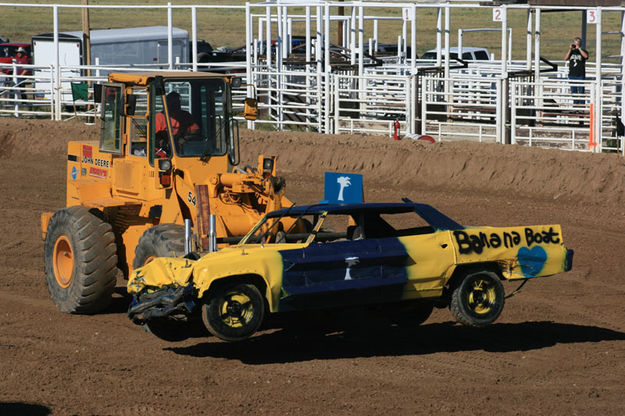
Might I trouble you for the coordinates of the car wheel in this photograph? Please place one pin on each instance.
(478, 300)
(173, 330)
(234, 313)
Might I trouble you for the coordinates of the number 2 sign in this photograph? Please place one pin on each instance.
(497, 14)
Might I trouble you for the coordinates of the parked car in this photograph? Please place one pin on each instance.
(403, 258)
(469, 53)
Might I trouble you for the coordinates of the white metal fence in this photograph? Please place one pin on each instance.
(485, 101)
(466, 106)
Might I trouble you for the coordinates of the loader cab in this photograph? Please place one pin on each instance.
(169, 117)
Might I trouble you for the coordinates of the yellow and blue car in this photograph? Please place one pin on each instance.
(406, 257)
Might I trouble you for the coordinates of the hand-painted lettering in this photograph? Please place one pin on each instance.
(476, 243)
(545, 237)
(511, 239)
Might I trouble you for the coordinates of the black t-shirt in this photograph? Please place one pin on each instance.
(577, 63)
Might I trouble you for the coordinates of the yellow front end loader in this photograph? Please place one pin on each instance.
(167, 153)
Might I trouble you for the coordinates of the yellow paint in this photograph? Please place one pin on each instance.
(162, 271)
(430, 265)
(432, 260)
(502, 245)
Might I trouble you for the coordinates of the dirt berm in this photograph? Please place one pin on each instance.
(557, 349)
(531, 172)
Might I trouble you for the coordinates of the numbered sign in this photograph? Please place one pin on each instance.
(498, 14)
(408, 13)
(592, 16)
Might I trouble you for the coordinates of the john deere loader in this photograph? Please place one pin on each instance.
(154, 167)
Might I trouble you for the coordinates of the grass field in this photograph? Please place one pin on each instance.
(226, 27)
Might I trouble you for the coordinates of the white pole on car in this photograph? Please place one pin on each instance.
(212, 233)
(187, 236)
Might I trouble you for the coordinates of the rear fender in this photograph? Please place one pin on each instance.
(461, 271)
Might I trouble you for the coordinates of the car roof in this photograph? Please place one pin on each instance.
(431, 215)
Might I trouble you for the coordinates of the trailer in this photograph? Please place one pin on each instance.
(111, 47)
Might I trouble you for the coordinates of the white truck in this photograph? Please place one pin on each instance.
(112, 47)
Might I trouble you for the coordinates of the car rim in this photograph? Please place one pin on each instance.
(63, 261)
(236, 310)
(482, 296)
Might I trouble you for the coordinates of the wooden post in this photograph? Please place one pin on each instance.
(86, 35)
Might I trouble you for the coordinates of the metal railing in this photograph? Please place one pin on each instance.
(468, 105)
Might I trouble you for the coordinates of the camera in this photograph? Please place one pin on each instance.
(573, 46)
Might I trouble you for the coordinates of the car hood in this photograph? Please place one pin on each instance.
(233, 260)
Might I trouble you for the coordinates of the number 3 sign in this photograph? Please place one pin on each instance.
(592, 16)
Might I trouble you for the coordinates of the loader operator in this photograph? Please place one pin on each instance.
(182, 125)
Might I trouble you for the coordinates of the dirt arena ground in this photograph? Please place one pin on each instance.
(557, 349)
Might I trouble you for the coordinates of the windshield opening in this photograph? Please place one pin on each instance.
(328, 227)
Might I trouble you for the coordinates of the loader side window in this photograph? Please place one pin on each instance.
(139, 124)
(112, 120)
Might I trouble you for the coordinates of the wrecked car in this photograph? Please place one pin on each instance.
(406, 257)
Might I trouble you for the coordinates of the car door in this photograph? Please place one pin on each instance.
(343, 273)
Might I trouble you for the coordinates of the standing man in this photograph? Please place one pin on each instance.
(577, 58)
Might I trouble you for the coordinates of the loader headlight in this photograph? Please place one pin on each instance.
(236, 82)
(267, 166)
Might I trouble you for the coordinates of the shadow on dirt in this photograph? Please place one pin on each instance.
(119, 301)
(286, 346)
(25, 409)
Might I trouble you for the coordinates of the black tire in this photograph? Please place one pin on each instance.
(172, 330)
(234, 313)
(414, 314)
(80, 258)
(163, 240)
(478, 300)
(203, 57)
